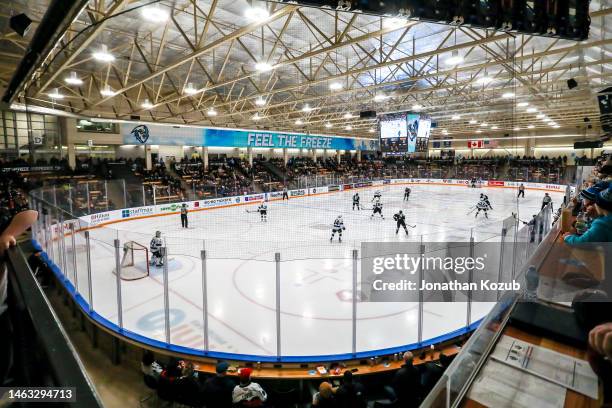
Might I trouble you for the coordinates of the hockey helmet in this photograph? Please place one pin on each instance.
(157, 234)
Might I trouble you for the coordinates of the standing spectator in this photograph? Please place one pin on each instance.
(546, 201)
(218, 389)
(247, 393)
(407, 383)
(350, 394)
(149, 366)
(11, 226)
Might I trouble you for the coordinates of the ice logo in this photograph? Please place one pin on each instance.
(141, 133)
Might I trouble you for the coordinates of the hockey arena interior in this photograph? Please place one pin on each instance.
(351, 204)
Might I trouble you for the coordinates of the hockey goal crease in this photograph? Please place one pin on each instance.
(134, 261)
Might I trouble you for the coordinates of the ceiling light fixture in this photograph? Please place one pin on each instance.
(379, 97)
(456, 117)
(260, 101)
(256, 13)
(479, 131)
(454, 59)
(73, 79)
(530, 127)
(540, 115)
(263, 66)
(494, 127)
(531, 110)
(328, 125)
(508, 95)
(190, 90)
(155, 14)
(473, 122)
(371, 130)
(211, 112)
(335, 86)
(484, 124)
(347, 115)
(522, 104)
(349, 127)
(103, 55)
(307, 108)
(299, 122)
(516, 129)
(146, 104)
(256, 117)
(484, 80)
(416, 107)
(56, 95)
(107, 91)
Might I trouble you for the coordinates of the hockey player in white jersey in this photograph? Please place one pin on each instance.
(485, 198)
(356, 201)
(157, 258)
(377, 196)
(337, 227)
(377, 209)
(482, 205)
(263, 211)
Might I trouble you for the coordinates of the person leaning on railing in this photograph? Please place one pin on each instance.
(600, 229)
(12, 225)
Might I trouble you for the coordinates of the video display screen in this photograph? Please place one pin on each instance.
(393, 135)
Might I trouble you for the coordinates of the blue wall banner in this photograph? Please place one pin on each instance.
(170, 135)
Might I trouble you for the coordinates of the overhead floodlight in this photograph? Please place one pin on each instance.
(530, 127)
(211, 112)
(347, 115)
(508, 95)
(190, 90)
(484, 124)
(473, 122)
(479, 131)
(299, 122)
(522, 104)
(540, 115)
(456, 117)
(348, 127)
(380, 97)
(335, 86)
(263, 66)
(307, 108)
(103, 55)
(260, 101)
(531, 110)
(328, 125)
(485, 80)
(416, 107)
(256, 117)
(73, 79)
(146, 104)
(371, 130)
(107, 91)
(516, 129)
(56, 95)
(394, 22)
(454, 59)
(154, 14)
(256, 13)
(494, 127)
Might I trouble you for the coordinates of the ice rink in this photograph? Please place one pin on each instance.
(315, 305)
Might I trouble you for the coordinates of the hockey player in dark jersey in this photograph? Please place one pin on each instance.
(337, 227)
(407, 192)
(377, 209)
(356, 201)
(400, 219)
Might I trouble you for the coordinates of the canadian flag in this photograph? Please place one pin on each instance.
(474, 144)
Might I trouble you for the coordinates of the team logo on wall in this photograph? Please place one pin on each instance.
(140, 133)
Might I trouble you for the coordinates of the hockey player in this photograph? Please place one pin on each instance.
(400, 219)
(482, 206)
(485, 198)
(377, 196)
(356, 201)
(338, 227)
(377, 209)
(285, 194)
(546, 201)
(407, 193)
(263, 211)
(184, 221)
(473, 182)
(156, 244)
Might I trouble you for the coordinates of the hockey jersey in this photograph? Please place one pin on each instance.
(156, 244)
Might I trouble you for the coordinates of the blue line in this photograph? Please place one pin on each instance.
(233, 356)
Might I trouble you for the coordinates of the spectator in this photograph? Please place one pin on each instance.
(601, 227)
(247, 393)
(407, 383)
(600, 340)
(324, 398)
(149, 366)
(218, 389)
(11, 227)
(350, 394)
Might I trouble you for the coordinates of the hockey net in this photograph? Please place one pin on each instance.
(134, 261)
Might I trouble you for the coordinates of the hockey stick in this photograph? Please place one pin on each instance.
(471, 211)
